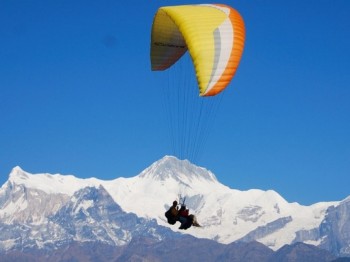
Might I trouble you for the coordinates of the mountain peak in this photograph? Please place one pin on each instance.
(170, 167)
(18, 174)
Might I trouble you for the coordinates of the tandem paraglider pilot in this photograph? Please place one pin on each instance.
(172, 213)
(182, 215)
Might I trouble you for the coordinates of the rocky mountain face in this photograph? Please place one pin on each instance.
(43, 214)
(334, 229)
(179, 249)
(333, 232)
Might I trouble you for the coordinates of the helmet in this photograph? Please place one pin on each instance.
(175, 203)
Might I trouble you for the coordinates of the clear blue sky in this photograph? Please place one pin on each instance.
(78, 96)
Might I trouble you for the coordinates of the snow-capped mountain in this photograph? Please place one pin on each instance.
(89, 215)
(66, 208)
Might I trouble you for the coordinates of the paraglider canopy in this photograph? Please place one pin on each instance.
(212, 33)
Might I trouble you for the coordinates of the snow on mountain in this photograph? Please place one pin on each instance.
(90, 215)
(27, 198)
(181, 171)
(150, 193)
(63, 184)
(226, 214)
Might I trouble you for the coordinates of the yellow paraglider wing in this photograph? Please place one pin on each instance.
(213, 35)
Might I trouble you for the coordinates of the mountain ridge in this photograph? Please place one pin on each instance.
(227, 215)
